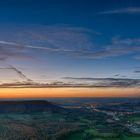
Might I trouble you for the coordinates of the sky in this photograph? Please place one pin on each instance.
(69, 48)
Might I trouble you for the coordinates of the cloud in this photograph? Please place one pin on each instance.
(130, 10)
(78, 82)
(118, 47)
(86, 82)
(119, 75)
(137, 71)
(106, 82)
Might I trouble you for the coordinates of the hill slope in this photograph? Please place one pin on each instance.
(28, 106)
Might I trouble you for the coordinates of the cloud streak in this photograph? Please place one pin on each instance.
(106, 82)
(10, 50)
(130, 10)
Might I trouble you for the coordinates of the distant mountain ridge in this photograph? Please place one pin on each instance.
(29, 106)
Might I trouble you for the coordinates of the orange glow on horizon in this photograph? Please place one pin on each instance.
(68, 92)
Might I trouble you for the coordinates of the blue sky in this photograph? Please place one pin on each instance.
(64, 40)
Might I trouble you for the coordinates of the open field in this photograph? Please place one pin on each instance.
(134, 118)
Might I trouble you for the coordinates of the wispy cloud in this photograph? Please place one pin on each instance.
(78, 43)
(10, 50)
(56, 38)
(23, 47)
(118, 47)
(72, 41)
(63, 38)
(130, 10)
(106, 82)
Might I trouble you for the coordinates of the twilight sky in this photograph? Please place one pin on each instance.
(70, 43)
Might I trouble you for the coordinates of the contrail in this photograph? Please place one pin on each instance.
(21, 74)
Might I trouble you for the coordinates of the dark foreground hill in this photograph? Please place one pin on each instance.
(29, 106)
